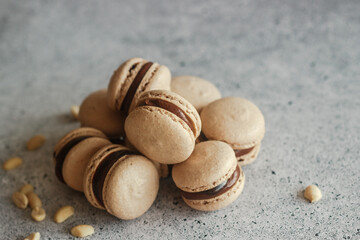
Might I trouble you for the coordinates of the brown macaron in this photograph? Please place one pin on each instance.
(236, 121)
(95, 112)
(121, 181)
(163, 127)
(199, 92)
(132, 78)
(72, 153)
(210, 178)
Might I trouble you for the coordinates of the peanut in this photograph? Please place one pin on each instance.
(82, 231)
(35, 142)
(38, 214)
(20, 200)
(12, 163)
(312, 193)
(75, 111)
(33, 236)
(34, 200)
(26, 189)
(63, 213)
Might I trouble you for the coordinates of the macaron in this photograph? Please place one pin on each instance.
(95, 112)
(199, 92)
(134, 77)
(120, 181)
(163, 126)
(210, 178)
(236, 121)
(163, 169)
(72, 153)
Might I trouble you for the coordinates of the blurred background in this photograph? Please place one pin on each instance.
(299, 61)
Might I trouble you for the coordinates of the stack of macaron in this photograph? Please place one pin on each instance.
(145, 126)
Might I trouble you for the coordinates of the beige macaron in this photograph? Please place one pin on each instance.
(132, 78)
(121, 181)
(163, 127)
(210, 178)
(199, 92)
(95, 112)
(236, 121)
(163, 169)
(73, 152)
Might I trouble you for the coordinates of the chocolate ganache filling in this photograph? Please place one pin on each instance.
(171, 108)
(216, 191)
(238, 152)
(60, 157)
(103, 169)
(242, 152)
(134, 86)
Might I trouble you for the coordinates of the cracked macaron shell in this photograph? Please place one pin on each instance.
(156, 77)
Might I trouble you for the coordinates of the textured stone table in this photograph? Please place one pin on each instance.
(299, 61)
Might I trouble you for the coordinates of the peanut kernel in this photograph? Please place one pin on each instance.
(35, 142)
(20, 200)
(82, 231)
(312, 193)
(12, 163)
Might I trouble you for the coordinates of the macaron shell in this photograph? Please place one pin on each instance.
(250, 157)
(91, 167)
(159, 135)
(177, 100)
(199, 92)
(121, 80)
(130, 187)
(219, 201)
(162, 169)
(78, 132)
(128, 144)
(95, 112)
(76, 160)
(157, 77)
(211, 163)
(235, 121)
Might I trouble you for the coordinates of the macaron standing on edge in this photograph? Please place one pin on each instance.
(199, 92)
(120, 181)
(163, 126)
(72, 153)
(132, 78)
(236, 121)
(95, 112)
(210, 178)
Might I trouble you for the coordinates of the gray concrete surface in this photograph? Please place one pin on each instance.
(297, 60)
